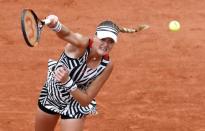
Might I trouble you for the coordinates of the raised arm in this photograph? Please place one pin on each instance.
(66, 34)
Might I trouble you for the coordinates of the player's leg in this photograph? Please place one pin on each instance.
(45, 121)
(72, 124)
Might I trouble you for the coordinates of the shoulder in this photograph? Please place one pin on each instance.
(107, 72)
(77, 51)
(78, 40)
(83, 40)
(109, 66)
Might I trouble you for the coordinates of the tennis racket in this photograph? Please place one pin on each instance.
(31, 27)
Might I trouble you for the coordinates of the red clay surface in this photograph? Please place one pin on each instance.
(158, 80)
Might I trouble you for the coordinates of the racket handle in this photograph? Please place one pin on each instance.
(46, 21)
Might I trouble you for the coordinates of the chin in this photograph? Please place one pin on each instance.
(102, 53)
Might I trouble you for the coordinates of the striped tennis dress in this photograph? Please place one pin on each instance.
(56, 99)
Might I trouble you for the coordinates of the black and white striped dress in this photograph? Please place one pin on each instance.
(56, 99)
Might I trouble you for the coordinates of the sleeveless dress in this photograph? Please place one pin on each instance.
(54, 99)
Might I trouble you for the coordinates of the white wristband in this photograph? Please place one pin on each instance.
(58, 27)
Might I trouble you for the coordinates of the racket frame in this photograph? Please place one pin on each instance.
(38, 25)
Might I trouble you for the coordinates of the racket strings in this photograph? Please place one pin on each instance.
(31, 27)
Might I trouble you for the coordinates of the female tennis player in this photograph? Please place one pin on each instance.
(76, 78)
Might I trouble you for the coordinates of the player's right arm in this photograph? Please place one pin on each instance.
(66, 34)
(75, 39)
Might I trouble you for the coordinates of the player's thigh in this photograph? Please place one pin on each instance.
(45, 121)
(72, 124)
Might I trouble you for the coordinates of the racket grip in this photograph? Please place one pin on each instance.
(46, 21)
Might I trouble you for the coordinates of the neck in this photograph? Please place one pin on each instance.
(93, 55)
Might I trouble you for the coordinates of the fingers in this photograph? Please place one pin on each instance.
(62, 74)
(54, 23)
(46, 21)
(53, 20)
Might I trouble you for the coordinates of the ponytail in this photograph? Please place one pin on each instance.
(133, 30)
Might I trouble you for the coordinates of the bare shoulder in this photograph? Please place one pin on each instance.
(109, 67)
(79, 40)
(83, 41)
(70, 48)
(77, 51)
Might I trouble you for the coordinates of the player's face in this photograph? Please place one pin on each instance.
(105, 45)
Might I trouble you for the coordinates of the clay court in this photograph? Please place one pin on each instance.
(158, 79)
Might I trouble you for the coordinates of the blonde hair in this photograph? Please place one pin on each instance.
(133, 30)
(110, 29)
(123, 29)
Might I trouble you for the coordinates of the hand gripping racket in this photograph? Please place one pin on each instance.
(31, 27)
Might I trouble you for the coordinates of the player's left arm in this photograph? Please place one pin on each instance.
(85, 97)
